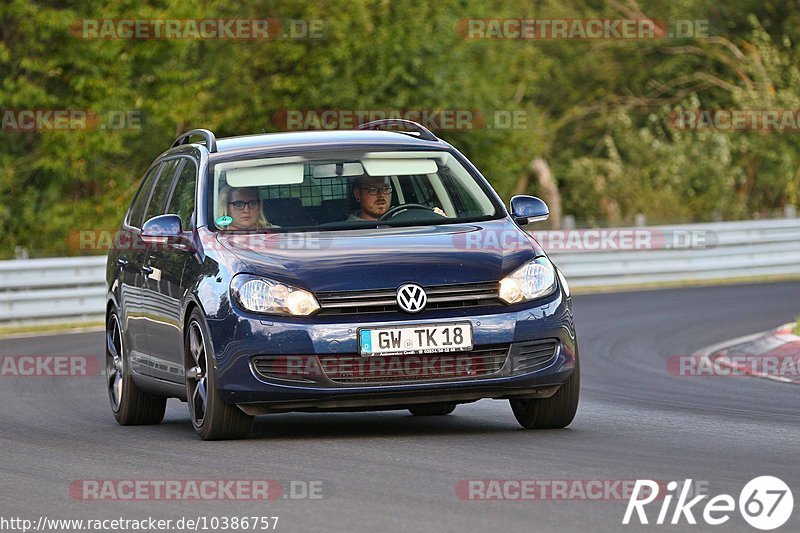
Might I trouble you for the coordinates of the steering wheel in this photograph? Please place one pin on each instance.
(391, 213)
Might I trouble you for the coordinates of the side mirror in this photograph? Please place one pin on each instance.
(527, 209)
(163, 229)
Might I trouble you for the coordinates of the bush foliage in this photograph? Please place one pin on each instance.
(597, 111)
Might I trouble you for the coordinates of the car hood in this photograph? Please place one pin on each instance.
(387, 257)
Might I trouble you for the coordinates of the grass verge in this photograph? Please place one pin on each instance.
(53, 328)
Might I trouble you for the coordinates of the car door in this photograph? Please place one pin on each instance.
(163, 283)
(155, 206)
(130, 252)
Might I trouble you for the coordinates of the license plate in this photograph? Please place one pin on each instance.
(418, 339)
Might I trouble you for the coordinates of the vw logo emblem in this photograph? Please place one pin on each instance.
(411, 298)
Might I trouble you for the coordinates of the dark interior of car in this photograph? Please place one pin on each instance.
(290, 212)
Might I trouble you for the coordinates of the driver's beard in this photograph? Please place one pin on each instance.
(375, 213)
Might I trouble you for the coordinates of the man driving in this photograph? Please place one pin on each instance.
(374, 194)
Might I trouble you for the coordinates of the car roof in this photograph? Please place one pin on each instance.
(330, 138)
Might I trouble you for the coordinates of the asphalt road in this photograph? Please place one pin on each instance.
(394, 472)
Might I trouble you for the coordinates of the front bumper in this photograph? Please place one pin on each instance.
(239, 338)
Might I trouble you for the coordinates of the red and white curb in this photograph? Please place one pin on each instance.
(778, 342)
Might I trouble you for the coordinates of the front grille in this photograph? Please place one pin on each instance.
(287, 367)
(481, 361)
(532, 356)
(383, 300)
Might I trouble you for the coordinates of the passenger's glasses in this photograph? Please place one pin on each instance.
(239, 205)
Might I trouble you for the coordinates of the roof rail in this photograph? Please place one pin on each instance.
(423, 132)
(211, 141)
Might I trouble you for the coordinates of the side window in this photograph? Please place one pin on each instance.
(136, 213)
(182, 201)
(164, 184)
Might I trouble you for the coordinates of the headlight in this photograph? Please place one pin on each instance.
(532, 280)
(262, 295)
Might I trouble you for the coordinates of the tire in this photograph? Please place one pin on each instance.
(432, 409)
(555, 412)
(131, 406)
(212, 418)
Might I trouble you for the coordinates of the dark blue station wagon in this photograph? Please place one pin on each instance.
(371, 269)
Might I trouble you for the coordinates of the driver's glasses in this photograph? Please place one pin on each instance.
(239, 205)
(386, 190)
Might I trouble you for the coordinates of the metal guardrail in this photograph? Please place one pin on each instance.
(732, 250)
(40, 290)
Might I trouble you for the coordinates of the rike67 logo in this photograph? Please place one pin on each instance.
(765, 502)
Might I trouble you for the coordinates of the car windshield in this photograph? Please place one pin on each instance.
(346, 191)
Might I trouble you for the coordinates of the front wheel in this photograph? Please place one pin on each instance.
(554, 412)
(212, 418)
(130, 405)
